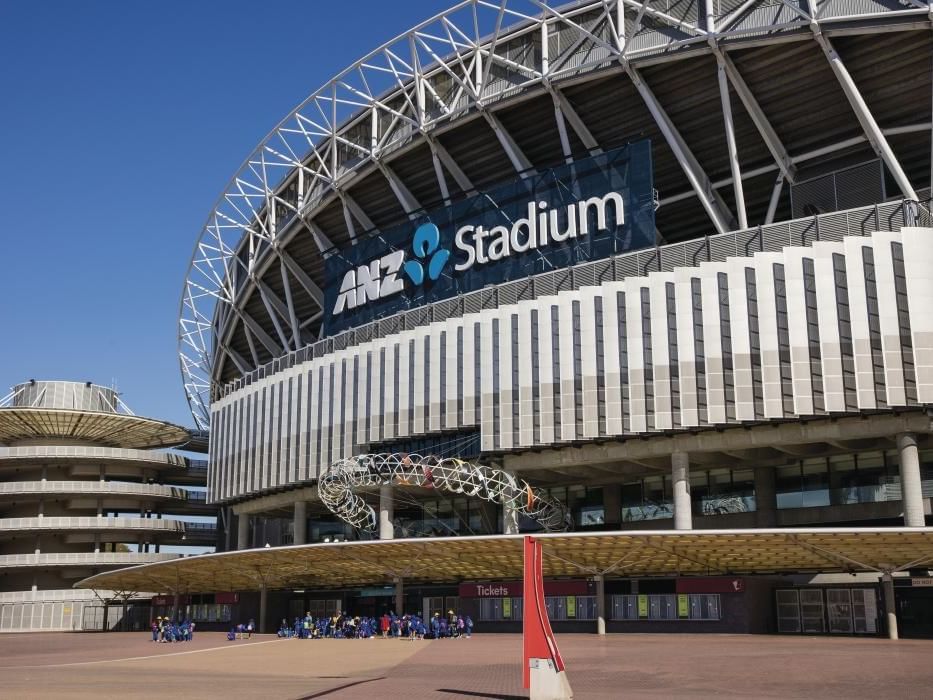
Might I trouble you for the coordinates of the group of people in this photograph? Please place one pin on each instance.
(167, 630)
(241, 631)
(346, 626)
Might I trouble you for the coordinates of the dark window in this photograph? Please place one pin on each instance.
(600, 367)
(846, 349)
(874, 326)
(725, 332)
(813, 335)
(623, 364)
(497, 439)
(577, 366)
(460, 361)
(647, 356)
(515, 361)
(903, 323)
(442, 352)
(477, 373)
(535, 377)
(699, 350)
(669, 289)
(754, 338)
(555, 376)
(780, 300)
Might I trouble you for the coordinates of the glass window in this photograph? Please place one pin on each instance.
(789, 486)
(815, 478)
(500, 609)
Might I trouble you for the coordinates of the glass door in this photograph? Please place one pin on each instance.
(864, 611)
(812, 620)
(788, 611)
(839, 605)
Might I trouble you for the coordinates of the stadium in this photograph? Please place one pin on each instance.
(663, 267)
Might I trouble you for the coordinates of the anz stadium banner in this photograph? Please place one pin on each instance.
(590, 209)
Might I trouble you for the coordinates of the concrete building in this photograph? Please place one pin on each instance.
(669, 265)
(84, 489)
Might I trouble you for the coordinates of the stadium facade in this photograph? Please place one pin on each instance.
(669, 261)
(83, 489)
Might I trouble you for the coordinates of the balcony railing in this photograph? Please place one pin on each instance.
(104, 523)
(84, 559)
(97, 488)
(90, 453)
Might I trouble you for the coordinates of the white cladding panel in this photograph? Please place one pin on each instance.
(805, 332)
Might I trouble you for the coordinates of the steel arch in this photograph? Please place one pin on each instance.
(337, 486)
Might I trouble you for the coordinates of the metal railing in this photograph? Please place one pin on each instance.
(93, 453)
(834, 226)
(103, 523)
(96, 487)
(51, 595)
(84, 558)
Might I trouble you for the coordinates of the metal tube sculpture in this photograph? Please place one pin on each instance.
(337, 486)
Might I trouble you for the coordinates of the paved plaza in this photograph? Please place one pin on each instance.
(486, 666)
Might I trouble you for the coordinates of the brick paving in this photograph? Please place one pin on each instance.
(486, 666)
(669, 666)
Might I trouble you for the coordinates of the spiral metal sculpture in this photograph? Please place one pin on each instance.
(337, 486)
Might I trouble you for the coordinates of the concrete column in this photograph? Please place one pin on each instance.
(242, 531)
(680, 476)
(509, 520)
(911, 492)
(612, 506)
(399, 596)
(300, 521)
(890, 611)
(386, 515)
(509, 516)
(263, 601)
(600, 605)
(765, 497)
(175, 603)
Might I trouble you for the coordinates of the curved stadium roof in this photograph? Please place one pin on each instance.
(741, 99)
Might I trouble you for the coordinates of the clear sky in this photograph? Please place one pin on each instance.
(121, 122)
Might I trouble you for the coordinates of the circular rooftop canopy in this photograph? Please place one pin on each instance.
(80, 412)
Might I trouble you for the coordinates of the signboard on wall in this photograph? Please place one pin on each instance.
(683, 605)
(711, 584)
(590, 209)
(513, 589)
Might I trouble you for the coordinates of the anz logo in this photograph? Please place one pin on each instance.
(476, 245)
(383, 278)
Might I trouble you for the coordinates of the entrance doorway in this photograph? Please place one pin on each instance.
(914, 612)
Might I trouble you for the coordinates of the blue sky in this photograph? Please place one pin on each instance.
(120, 125)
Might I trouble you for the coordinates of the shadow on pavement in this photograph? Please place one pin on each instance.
(474, 694)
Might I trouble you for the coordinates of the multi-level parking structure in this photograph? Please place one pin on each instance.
(83, 488)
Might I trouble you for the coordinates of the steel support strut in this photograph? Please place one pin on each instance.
(710, 199)
(872, 131)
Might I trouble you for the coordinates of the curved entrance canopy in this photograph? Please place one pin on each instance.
(454, 559)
